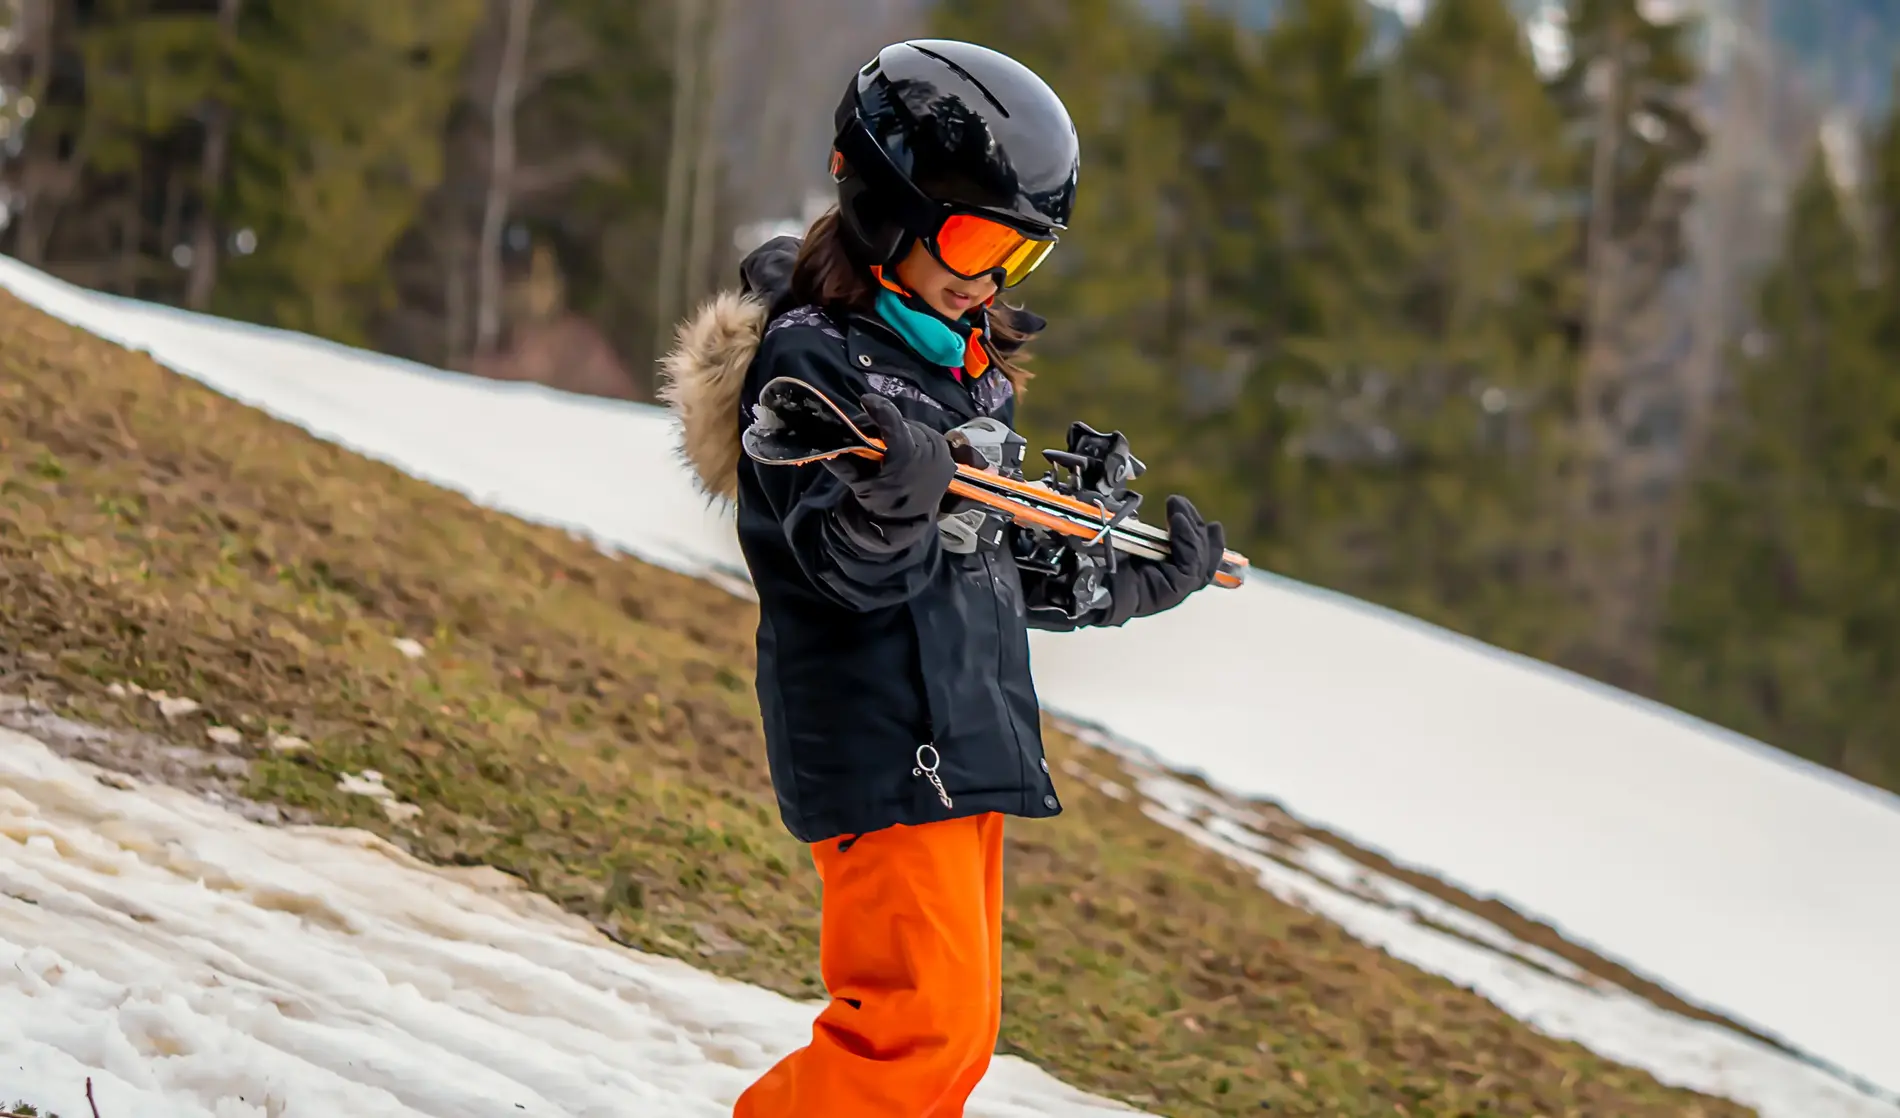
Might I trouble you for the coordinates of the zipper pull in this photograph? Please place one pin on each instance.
(928, 769)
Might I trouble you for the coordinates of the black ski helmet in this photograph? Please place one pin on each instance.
(932, 127)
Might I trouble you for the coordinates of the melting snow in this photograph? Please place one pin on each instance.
(1527, 981)
(197, 965)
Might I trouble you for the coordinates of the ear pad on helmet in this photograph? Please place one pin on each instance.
(873, 237)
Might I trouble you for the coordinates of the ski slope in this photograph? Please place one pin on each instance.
(1756, 885)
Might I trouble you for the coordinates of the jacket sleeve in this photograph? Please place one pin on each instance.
(831, 537)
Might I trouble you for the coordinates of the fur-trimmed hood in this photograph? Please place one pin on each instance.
(701, 379)
(703, 376)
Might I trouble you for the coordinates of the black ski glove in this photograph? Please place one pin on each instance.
(896, 499)
(1143, 587)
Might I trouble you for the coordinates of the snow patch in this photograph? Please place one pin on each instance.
(1530, 983)
(196, 965)
(369, 783)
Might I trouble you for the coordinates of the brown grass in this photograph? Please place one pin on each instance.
(588, 724)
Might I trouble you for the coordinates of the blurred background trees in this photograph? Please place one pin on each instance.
(1557, 322)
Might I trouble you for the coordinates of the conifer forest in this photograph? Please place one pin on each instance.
(1569, 325)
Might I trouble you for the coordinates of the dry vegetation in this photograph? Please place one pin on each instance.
(588, 724)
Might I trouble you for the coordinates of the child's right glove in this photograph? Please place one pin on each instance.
(898, 497)
(1143, 587)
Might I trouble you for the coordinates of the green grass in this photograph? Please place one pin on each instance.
(588, 724)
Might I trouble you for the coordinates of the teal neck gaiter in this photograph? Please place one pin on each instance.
(934, 339)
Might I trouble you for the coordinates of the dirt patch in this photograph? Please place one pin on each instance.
(211, 773)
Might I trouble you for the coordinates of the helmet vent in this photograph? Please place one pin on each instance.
(967, 76)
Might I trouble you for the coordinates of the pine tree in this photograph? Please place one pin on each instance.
(337, 145)
(1447, 366)
(1784, 622)
(591, 122)
(1223, 304)
(1625, 94)
(1332, 175)
(298, 139)
(98, 184)
(594, 137)
(302, 164)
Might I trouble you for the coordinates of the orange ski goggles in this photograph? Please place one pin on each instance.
(971, 247)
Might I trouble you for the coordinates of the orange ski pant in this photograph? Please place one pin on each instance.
(910, 947)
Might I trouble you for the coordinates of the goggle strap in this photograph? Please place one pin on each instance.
(911, 207)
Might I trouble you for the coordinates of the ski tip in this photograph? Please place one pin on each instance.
(794, 424)
(1232, 571)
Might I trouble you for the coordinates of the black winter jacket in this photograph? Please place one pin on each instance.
(867, 664)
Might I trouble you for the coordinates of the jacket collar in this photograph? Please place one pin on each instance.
(873, 346)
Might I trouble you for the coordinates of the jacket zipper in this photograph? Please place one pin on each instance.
(996, 606)
(927, 757)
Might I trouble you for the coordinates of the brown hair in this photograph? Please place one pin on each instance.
(826, 276)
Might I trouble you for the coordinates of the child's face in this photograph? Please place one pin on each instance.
(947, 295)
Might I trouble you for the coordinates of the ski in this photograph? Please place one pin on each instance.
(1083, 497)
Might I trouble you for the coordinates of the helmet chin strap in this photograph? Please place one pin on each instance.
(897, 286)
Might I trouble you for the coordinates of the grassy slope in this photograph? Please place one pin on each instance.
(587, 723)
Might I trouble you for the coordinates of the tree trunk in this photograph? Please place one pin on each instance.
(679, 148)
(1728, 195)
(455, 300)
(42, 176)
(171, 224)
(1599, 564)
(204, 235)
(701, 249)
(131, 223)
(501, 169)
(1599, 248)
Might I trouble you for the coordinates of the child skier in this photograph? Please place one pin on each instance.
(901, 725)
